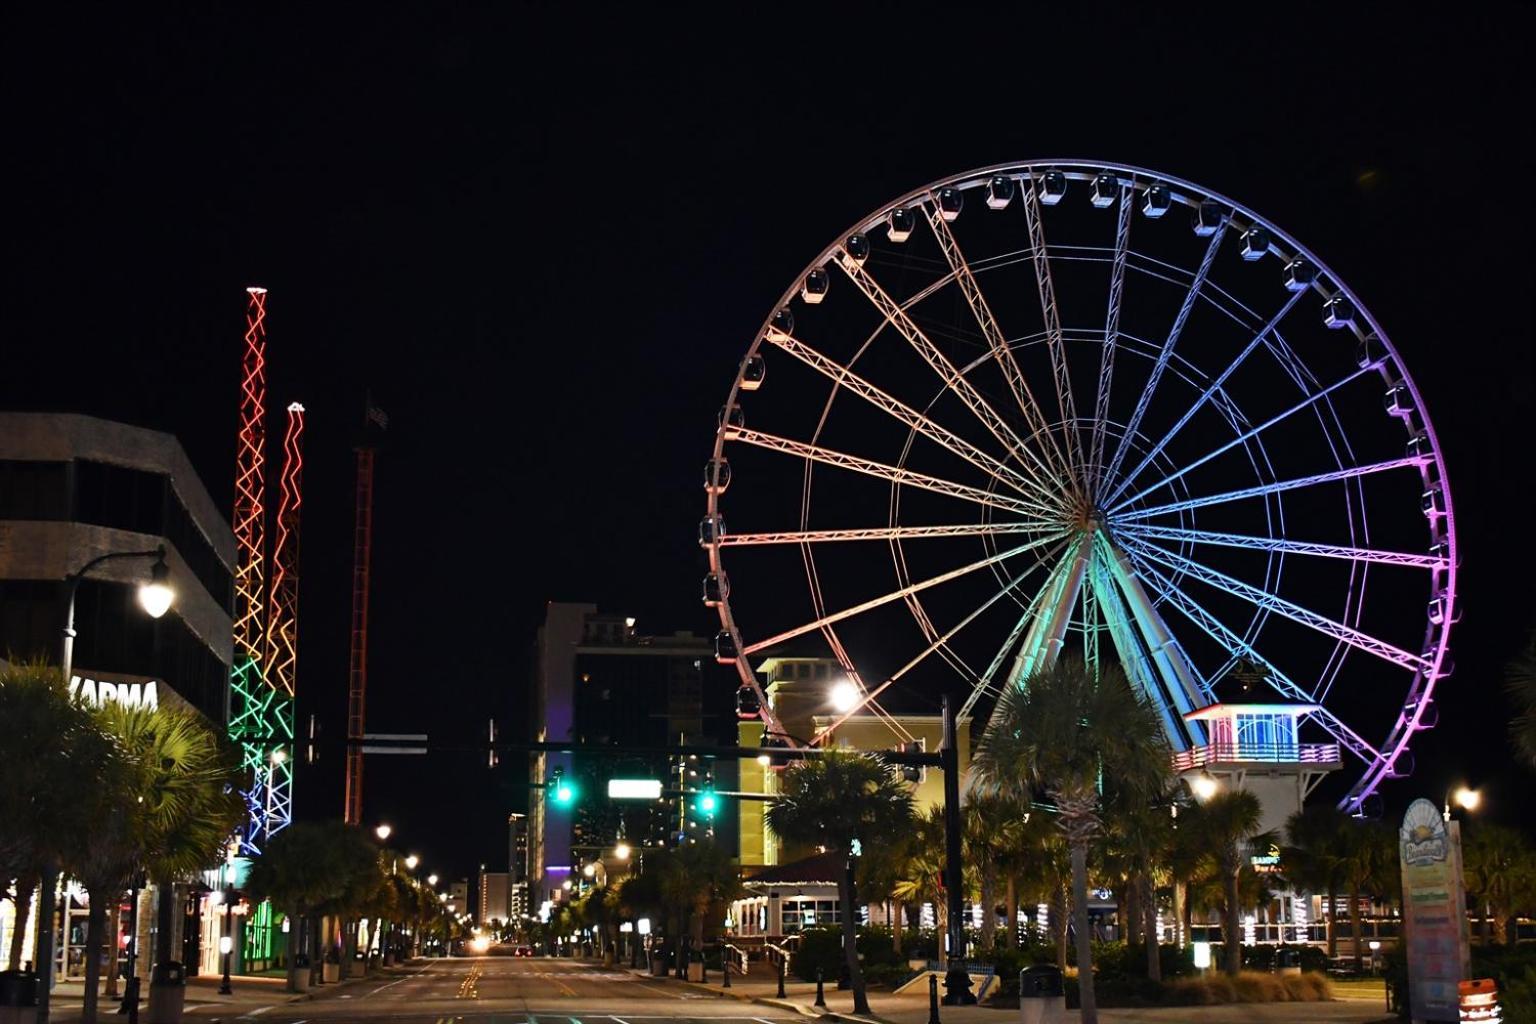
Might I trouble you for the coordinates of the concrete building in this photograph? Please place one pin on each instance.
(600, 682)
(495, 897)
(799, 691)
(76, 487)
(517, 866)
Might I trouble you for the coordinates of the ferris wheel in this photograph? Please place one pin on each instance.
(1074, 406)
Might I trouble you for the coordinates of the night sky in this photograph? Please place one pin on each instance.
(543, 242)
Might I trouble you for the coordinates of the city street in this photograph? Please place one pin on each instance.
(501, 989)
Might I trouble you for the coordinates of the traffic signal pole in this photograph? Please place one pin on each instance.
(957, 981)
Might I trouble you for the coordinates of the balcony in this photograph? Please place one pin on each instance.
(1262, 753)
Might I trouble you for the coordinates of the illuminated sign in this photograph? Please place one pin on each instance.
(634, 789)
(97, 692)
(1266, 863)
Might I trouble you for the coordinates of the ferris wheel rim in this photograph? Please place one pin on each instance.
(1425, 679)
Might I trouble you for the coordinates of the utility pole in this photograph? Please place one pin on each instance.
(957, 982)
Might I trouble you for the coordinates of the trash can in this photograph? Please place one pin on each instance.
(1042, 999)
(18, 997)
(167, 993)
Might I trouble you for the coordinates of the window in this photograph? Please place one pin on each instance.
(1266, 736)
(34, 490)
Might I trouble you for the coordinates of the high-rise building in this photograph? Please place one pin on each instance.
(495, 897)
(517, 865)
(600, 682)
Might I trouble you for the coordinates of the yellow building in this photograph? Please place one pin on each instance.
(800, 692)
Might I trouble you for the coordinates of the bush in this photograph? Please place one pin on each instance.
(1117, 959)
(888, 975)
(1247, 987)
(819, 947)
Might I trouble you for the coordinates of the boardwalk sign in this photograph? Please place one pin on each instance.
(1434, 912)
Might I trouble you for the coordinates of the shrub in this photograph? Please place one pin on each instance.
(819, 947)
(888, 975)
(1247, 987)
(1307, 987)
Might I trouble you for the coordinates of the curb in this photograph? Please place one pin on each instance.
(777, 1004)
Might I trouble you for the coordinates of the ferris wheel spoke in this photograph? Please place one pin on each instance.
(895, 474)
(886, 533)
(1261, 598)
(1238, 540)
(1249, 435)
(1034, 419)
(897, 595)
(984, 686)
(1262, 490)
(1199, 403)
(1111, 332)
(1052, 317)
(940, 642)
(948, 373)
(1238, 647)
(850, 381)
(1128, 438)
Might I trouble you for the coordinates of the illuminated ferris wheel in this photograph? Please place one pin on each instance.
(1067, 405)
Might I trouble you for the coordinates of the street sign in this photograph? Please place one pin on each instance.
(1434, 912)
(634, 789)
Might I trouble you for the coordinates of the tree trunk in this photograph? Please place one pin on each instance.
(1181, 913)
(1011, 900)
(1059, 919)
(851, 941)
(43, 946)
(113, 934)
(295, 939)
(1333, 914)
(1231, 926)
(165, 923)
(1354, 925)
(95, 926)
(898, 922)
(1154, 958)
(1131, 918)
(988, 910)
(24, 886)
(1090, 1009)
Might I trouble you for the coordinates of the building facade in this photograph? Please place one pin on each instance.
(73, 488)
(601, 683)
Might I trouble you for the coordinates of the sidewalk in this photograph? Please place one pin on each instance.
(799, 997)
(249, 992)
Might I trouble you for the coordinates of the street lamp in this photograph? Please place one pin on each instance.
(411, 860)
(1204, 786)
(155, 597)
(431, 879)
(621, 852)
(845, 696)
(226, 945)
(1466, 798)
(383, 832)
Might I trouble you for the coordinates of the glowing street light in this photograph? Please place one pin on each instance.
(383, 832)
(1204, 786)
(411, 861)
(845, 696)
(431, 879)
(155, 597)
(1465, 797)
(621, 852)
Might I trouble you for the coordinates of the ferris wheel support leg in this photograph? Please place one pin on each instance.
(1133, 653)
(1186, 689)
(1047, 633)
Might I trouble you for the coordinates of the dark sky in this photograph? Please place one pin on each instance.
(543, 242)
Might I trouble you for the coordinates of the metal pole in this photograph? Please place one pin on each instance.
(933, 999)
(782, 962)
(821, 995)
(130, 1004)
(224, 989)
(957, 983)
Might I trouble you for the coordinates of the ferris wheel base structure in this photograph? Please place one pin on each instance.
(1072, 407)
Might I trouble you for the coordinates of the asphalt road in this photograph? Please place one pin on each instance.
(507, 990)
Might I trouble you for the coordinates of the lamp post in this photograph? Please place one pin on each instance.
(155, 598)
(226, 943)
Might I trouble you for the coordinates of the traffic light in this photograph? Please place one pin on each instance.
(708, 802)
(561, 789)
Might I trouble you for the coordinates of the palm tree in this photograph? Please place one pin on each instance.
(989, 822)
(299, 871)
(1369, 865)
(834, 802)
(1500, 867)
(1315, 857)
(1141, 838)
(1062, 731)
(164, 807)
(1225, 824)
(47, 736)
(1520, 684)
(922, 872)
